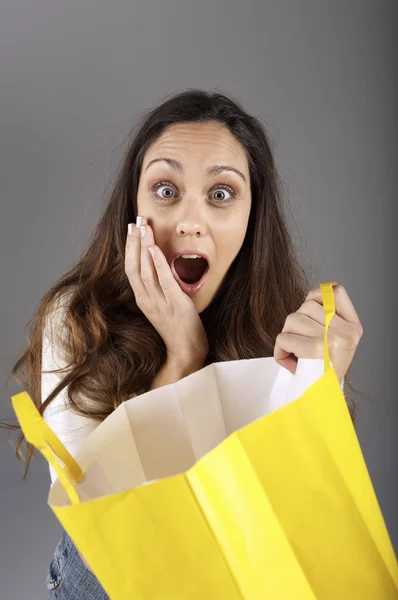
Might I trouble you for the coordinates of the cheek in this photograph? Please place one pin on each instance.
(142, 204)
(145, 209)
(229, 238)
(160, 234)
(161, 227)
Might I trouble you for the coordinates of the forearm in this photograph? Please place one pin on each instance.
(175, 369)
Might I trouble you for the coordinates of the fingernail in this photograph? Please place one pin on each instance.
(129, 228)
(138, 222)
(143, 230)
(152, 251)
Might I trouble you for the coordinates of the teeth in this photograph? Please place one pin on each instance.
(190, 256)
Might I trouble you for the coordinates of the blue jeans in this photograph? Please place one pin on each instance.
(69, 578)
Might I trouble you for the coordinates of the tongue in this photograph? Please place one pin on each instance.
(190, 270)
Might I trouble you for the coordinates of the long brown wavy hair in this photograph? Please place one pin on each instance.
(111, 350)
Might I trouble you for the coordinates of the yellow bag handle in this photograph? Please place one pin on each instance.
(39, 434)
(329, 309)
(42, 437)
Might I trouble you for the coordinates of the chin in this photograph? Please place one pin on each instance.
(200, 304)
(201, 300)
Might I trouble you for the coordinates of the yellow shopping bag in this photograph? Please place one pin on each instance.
(283, 508)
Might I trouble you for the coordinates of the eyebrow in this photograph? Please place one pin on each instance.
(214, 170)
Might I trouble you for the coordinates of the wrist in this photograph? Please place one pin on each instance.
(183, 365)
(176, 367)
(187, 362)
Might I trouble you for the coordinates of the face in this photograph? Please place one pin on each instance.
(197, 201)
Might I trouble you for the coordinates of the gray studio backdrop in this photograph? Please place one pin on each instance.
(74, 77)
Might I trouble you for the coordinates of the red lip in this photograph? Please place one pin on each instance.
(188, 288)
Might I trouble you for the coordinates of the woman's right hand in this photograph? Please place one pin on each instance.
(158, 295)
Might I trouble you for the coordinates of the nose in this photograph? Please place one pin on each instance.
(193, 228)
(191, 218)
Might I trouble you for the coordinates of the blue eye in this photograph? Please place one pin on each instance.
(219, 194)
(163, 190)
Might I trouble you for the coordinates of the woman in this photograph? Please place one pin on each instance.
(191, 263)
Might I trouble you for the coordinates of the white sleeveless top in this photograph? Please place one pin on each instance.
(68, 426)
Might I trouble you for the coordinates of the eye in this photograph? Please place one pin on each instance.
(224, 194)
(163, 190)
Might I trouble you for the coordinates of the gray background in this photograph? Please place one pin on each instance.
(75, 75)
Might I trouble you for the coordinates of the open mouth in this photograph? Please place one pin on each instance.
(190, 272)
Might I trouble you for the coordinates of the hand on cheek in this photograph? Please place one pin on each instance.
(160, 298)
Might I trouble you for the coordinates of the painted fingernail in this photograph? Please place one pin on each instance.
(152, 251)
(143, 231)
(129, 228)
(138, 222)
